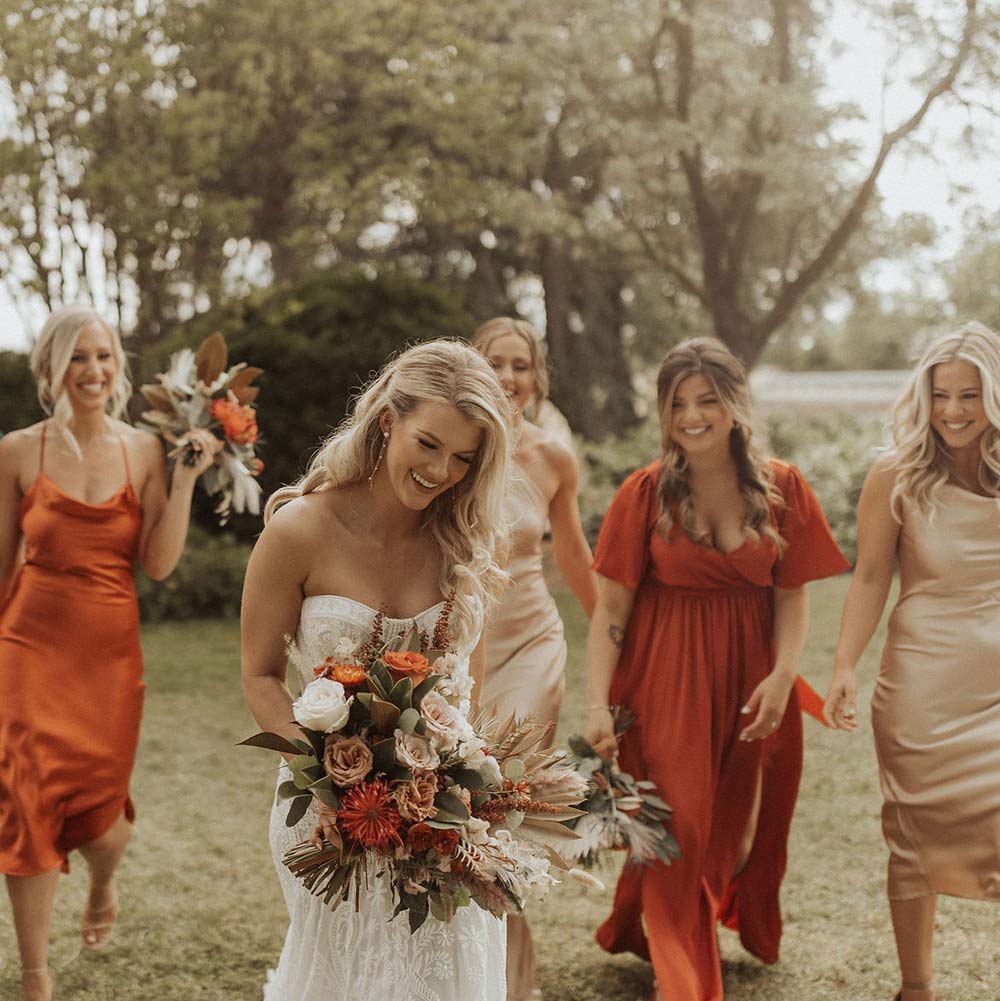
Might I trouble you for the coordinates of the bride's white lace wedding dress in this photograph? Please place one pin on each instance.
(360, 955)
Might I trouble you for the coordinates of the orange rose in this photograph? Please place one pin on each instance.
(239, 424)
(406, 664)
(349, 675)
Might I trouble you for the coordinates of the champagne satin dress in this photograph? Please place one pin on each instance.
(525, 647)
(936, 706)
(70, 676)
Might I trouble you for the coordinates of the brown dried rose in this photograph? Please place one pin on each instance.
(415, 800)
(347, 760)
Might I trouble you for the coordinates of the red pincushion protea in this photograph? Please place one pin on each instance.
(368, 814)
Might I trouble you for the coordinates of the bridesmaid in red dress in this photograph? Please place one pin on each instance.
(86, 496)
(700, 623)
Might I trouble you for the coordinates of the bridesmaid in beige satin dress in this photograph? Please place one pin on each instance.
(932, 502)
(525, 648)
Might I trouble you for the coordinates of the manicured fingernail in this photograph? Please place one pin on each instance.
(745, 709)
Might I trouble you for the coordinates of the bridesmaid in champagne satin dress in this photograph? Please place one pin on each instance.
(932, 503)
(84, 496)
(525, 648)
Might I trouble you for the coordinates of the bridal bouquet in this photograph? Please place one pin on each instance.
(199, 390)
(619, 811)
(448, 810)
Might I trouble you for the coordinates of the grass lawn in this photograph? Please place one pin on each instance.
(202, 916)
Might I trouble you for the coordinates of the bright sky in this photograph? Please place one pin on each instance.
(911, 182)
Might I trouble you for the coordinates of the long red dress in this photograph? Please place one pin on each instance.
(70, 676)
(699, 640)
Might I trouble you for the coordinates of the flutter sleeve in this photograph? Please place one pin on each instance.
(812, 552)
(622, 551)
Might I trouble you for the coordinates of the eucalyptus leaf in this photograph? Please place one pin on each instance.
(271, 742)
(288, 789)
(452, 804)
(408, 720)
(513, 769)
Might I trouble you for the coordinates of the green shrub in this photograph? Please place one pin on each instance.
(208, 581)
(18, 402)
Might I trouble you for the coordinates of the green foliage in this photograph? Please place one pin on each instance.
(18, 402)
(208, 581)
(318, 343)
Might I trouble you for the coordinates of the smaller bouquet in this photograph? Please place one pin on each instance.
(199, 391)
(449, 811)
(619, 811)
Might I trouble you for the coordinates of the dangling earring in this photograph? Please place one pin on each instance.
(381, 456)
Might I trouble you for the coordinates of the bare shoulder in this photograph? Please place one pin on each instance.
(20, 447)
(556, 454)
(301, 525)
(881, 477)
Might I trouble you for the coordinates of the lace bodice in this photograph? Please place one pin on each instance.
(361, 953)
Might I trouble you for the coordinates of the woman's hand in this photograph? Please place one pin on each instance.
(600, 732)
(202, 446)
(768, 701)
(326, 828)
(841, 706)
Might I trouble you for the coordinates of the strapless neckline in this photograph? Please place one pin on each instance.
(360, 604)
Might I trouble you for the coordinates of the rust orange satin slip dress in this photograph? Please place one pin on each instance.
(699, 640)
(70, 675)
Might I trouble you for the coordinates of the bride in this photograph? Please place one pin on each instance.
(399, 512)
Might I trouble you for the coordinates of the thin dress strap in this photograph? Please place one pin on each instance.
(41, 450)
(128, 470)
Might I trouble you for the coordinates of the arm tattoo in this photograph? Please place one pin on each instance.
(617, 635)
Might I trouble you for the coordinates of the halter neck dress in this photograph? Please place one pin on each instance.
(70, 675)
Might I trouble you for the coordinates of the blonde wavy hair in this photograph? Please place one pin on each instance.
(50, 359)
(921, 458)
(485, 334)
(467, 521)
(711, 358)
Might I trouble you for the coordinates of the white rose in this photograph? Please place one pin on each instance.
(445, 665)
(473, 752)
(445, 725)
(489, 770)
(416, 752)
(322, 706)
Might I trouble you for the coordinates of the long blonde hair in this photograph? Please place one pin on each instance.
(921, 459)
(467, 521)
(485, 334)
(50, 359)
(711, 358)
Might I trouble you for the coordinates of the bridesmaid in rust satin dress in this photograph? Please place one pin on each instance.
(701, 620)
(525, 648)
(932, 504)
(84, 495)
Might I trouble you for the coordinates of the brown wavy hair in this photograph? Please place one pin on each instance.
(711, 358)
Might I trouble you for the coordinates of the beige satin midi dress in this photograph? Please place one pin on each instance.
(525, 647)
(936, 707)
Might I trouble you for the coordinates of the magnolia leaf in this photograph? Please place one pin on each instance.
(385, 715)
(297, 810)
(246, 395)
(243, 378)
(401, 695)
(408, 720)
(451, 804)
(425, 686)
(380, 679)
(443, 821)
(418, 912)
(270, 741)
(384, 755)
(157, 397)
(211, 358)
(469, 778)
